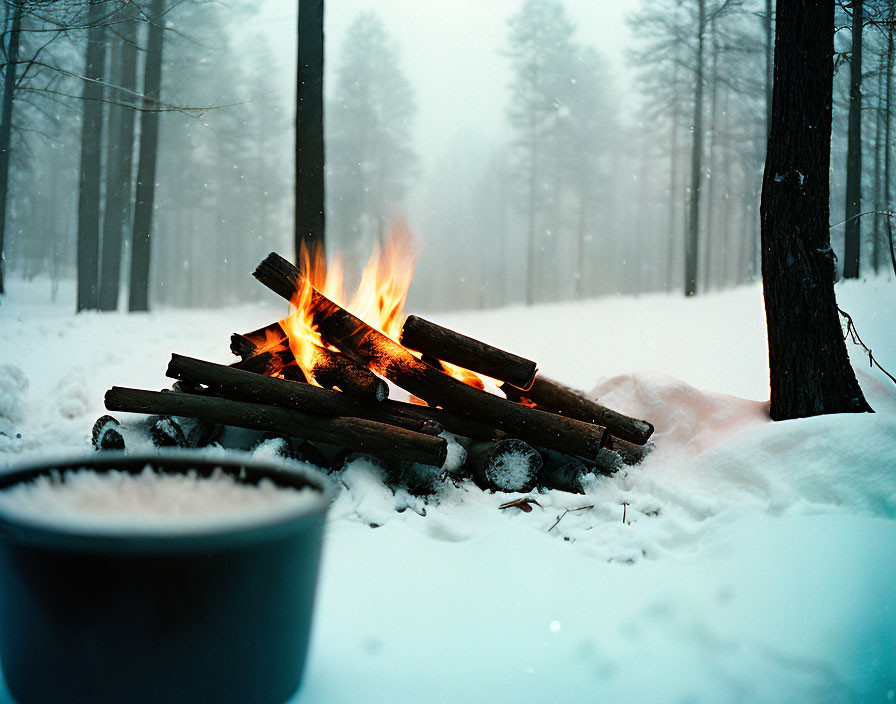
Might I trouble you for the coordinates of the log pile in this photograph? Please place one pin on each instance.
(538, 434)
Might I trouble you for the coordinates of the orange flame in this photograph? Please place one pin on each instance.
(379, 299)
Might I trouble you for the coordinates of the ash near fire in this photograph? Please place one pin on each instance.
(316, 385)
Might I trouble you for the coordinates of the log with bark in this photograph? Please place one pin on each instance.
(330, 369)
(106, 434)
(629, 452)
(507, 465)
(182, 431)
(561, 472)
(391, 360)
(333, 370)
(268, 363)
(552, 396)
(239, 385)
(270, 337)
(449, 346)
(386, 441)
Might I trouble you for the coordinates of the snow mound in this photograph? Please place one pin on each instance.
(687, 421)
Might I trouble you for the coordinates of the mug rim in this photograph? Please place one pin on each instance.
(211, 535)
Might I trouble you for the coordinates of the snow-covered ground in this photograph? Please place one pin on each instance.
(756, 563)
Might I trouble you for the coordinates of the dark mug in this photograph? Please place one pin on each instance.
(220, 615)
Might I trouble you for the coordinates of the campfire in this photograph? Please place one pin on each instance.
(319, 378)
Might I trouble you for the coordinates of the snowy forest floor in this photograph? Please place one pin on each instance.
(756, 562)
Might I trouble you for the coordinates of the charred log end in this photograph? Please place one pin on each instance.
(561, 472)
(507, 465)
(266, 363)
(106, 434)
(166, 432)
(278, 274)
(241, 346)
(333, 370)
(628, 452)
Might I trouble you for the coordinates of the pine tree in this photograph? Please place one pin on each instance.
(370, 157)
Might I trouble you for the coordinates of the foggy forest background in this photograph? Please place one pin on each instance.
(589, 190)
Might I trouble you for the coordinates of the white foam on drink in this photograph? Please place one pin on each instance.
(150, 500)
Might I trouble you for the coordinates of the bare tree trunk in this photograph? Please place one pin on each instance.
(691, 250)
(673, 181)
(769, 65)
(579, 268)
(91, 156)
(710, 233)
(530, 248)
(888, 113)
(309, 167)
(809, 368)
(9, 83)
(878, 135)
(852, 244)
(119, 161)
(146, 165)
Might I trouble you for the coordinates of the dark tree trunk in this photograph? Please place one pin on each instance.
(809, 368)
(852, 245)
(673, 180)
(878, 144)
(146, 166)
(710, 229)
(9, 82)
(888, 113)
(691, 249)
(309, 174)
(119, 160)
(769, 65)
(91, 154)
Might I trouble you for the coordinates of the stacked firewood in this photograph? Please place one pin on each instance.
(542, 434)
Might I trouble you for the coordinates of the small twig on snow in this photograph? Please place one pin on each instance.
(524, 504)
(569, 510)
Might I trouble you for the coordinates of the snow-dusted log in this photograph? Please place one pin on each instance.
(552, 396)
(561, 472)
(239, 385)
(467, 352)
(386, 441)
(391, 360)
(106, 434)
(506, 465)
(629, 452)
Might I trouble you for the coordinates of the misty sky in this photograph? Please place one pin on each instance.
(450, 52)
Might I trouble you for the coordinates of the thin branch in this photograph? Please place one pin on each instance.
(569, 510)
(196, 113)
(853, 335)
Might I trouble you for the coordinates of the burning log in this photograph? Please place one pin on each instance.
(266, 339)
(557, 398)
(268, 363)
(237, 384)
(333, 370)
(394, 362)
(444, 344)
(386, 441)
(330, 369)
(507, 465)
